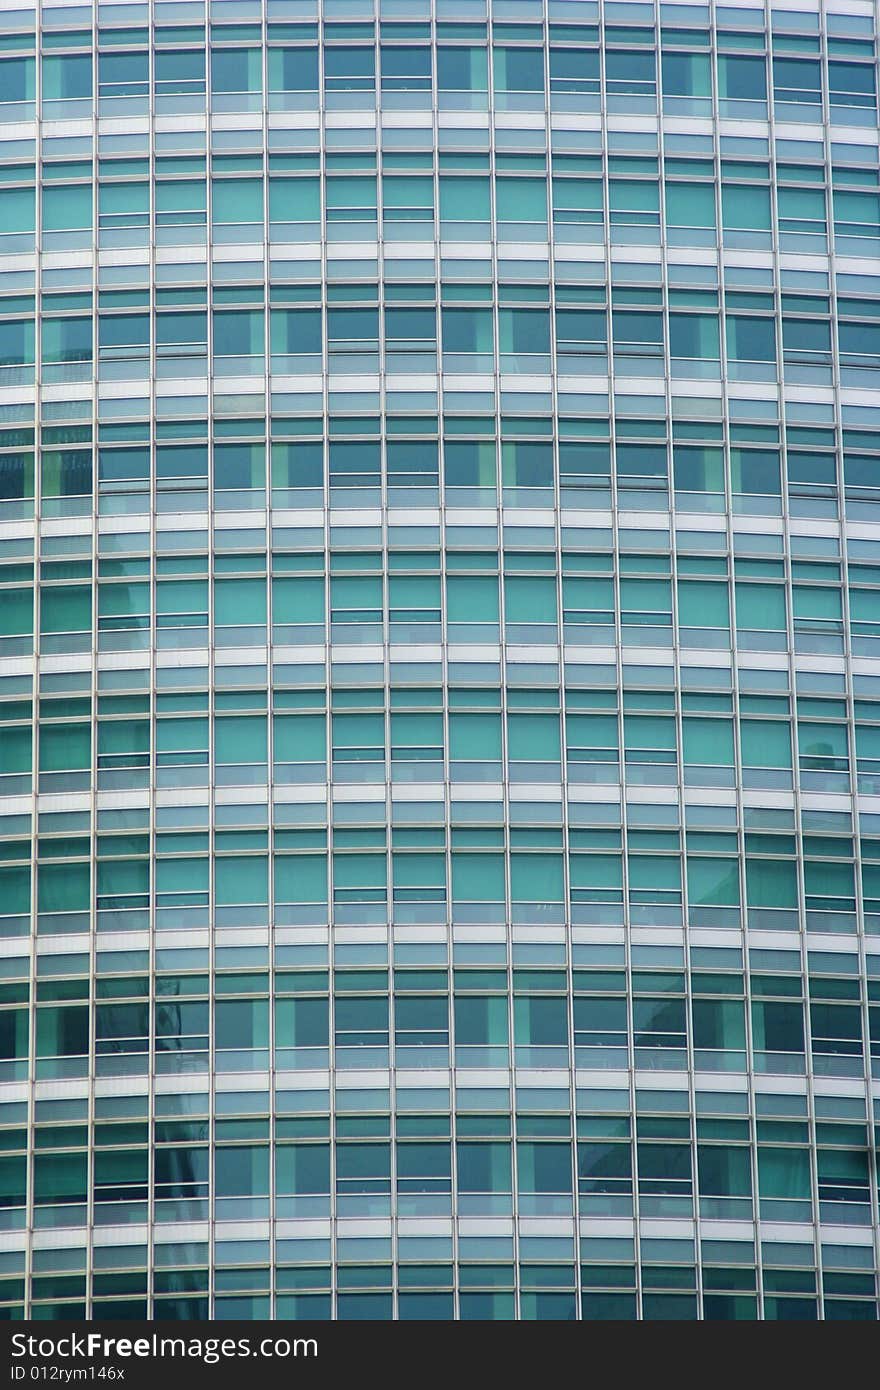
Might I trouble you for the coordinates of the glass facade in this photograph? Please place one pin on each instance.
(439, 659)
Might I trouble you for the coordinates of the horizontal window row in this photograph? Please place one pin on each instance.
(535, 1302)
(797, 220)
(604, 1030)
(517, 74)
(424, 1177)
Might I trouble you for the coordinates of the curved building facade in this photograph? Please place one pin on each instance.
(439, 659)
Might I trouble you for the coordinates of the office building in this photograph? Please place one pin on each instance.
(440, 659)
